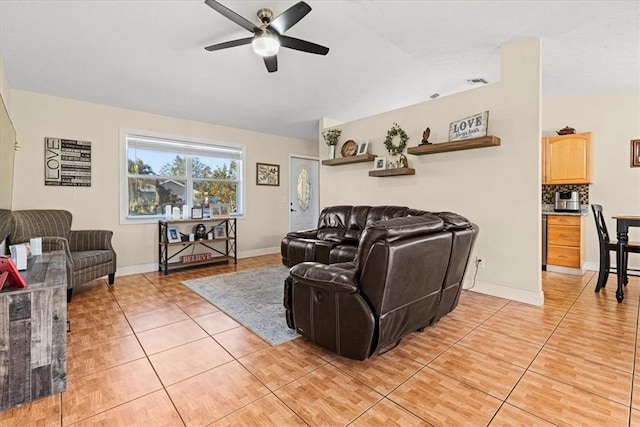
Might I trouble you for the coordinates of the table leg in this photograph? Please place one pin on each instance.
(620, 260)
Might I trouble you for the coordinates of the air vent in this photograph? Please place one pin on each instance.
(477, 81)
(435, 95)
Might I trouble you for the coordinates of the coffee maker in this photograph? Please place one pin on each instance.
(567, 201)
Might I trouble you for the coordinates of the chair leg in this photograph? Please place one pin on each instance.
(69, 292)
(603, 273)
(112, 278)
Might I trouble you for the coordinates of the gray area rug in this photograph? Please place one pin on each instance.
(252, 298)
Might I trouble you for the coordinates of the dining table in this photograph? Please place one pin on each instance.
(623, 222)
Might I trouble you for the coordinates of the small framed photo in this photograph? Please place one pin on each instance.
(267, 174)
(206, 212)
(635, 153)
(380, 163)
(362, 148)
(196, 213)
(224, 209)
(216, 210)
(220, 232)
(173, 235)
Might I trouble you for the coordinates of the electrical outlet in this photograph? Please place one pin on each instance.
(480, 262)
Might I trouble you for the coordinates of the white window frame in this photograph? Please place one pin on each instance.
(189, 143)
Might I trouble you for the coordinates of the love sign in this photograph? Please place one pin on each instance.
(469, 127)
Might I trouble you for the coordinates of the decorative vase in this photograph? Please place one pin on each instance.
(332, 151)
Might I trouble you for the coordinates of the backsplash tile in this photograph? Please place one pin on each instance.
(549, 192)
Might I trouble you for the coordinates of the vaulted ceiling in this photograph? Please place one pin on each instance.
(149, 55)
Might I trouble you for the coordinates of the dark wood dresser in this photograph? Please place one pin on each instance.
(33, 328)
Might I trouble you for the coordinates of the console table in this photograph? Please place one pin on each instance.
(33, 333)
(221, 249)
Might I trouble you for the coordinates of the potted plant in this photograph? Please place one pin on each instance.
(331, 137)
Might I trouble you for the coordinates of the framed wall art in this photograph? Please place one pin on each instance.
(267, 174)
(635, 153)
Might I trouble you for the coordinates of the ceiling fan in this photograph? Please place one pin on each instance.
(268, 37)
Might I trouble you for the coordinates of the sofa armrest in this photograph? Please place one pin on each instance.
(90, 240)
(333, 278)
(304, 234)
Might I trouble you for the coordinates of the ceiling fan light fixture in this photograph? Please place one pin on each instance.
(266, 44)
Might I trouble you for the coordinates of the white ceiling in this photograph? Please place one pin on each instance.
(149, 55)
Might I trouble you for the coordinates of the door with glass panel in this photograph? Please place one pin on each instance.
(304, 193)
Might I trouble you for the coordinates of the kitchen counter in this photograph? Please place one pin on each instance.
(547, 209)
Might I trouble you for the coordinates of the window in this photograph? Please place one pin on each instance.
(161, 171)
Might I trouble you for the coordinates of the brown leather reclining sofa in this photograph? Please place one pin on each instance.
(391, 271)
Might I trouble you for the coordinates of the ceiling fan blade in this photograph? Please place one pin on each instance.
(230, 14)
(290, 17)
(271, 62)
(303, 45)
(232, 43)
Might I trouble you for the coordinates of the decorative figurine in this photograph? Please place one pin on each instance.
(402, 161)
(425, 136)
(566, 131)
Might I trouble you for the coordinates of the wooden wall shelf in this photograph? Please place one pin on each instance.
(465, 144)
(348, 160)
(392, 172)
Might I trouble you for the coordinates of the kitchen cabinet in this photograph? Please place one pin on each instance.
(567, 159)
(565, 240)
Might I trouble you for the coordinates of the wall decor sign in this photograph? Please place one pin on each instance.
(67, 162)
(635, 153)
(470, 127)
(267, 174)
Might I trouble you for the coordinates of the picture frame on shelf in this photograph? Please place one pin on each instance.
(173, 235)
(224, 209)
(197, 213)
(267, 174)
(216, 210)
(380, 163)
(220, 232)
(206, 212)
(363, 147)
(635, 153)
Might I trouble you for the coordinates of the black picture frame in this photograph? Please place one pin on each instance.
(197, 213)
(267, 174)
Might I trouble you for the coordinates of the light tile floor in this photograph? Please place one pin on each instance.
(150, 352)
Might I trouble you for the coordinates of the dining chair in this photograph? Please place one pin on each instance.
(606, 246)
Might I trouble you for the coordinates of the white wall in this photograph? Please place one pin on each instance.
(473, 183)
(37, 116)
(614, 121)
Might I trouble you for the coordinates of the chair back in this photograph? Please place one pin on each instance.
(40, 223)
(601, 226)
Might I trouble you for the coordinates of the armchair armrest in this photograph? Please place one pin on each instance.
(89, 240)
(333, 278)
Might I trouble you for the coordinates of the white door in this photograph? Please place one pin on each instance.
(303, 193)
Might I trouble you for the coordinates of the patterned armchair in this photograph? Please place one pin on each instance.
(89, 252)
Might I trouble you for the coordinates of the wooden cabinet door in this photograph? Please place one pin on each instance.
(567, 159)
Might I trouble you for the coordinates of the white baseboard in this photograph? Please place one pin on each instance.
(527, 297)
(147, 268)
(566, 270)
(258, 252)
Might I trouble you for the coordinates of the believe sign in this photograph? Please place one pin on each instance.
(469, 127)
